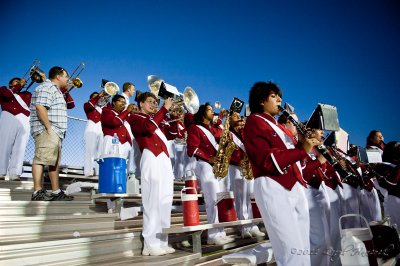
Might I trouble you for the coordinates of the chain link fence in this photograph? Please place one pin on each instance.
(73, 146)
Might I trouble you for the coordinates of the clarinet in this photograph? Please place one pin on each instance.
(320, 148)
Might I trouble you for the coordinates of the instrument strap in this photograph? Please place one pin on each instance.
(209, 136)
(21, 102)
(285, 139)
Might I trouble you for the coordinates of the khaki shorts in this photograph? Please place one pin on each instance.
(47, 149)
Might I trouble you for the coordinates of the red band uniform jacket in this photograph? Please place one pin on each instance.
(9, 102)
(268, 154)
(113, 122)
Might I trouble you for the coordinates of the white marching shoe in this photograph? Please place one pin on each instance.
(153, 251)
(220, 240)
(255, 232)
(168, 249)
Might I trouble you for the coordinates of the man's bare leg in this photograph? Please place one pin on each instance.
(37, 174)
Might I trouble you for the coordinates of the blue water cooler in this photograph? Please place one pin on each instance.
(112, 174)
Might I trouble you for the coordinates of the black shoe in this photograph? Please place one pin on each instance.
(40, 196)
(61, 196)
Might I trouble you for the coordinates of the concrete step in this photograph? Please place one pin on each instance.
(39, 253)
(22, 194)
(132, 258)
(27, 208)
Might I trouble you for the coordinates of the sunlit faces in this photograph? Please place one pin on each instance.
(119, 105)
(319, 134)
(149, 106)
(15, 82)
(270, 105)
(62, 79)
(235, 119)
(378, 138)
(209, 114)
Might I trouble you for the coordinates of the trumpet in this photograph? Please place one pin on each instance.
(111, 89)
(35, 74)
(187, 100)
(76, 82)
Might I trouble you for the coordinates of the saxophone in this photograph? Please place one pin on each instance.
(225, 149)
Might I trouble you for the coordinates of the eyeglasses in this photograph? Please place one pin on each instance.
(121, 101)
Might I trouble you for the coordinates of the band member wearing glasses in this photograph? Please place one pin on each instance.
(93, 134)
(202, 144)
(48, 128)
(278, 185)
(14, 132)
(156, 173)
(113, 123)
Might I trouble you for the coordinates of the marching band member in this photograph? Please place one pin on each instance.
(93, 134)
(375, 141)
(318, 205)
(242, 188)
(279, 185)
(179, 132)
(202, 144)
(67, 97)
(113, 122)
(391, 156)
(156, 173)
(15, 114)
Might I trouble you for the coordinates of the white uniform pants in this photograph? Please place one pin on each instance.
(370, 206)
(134, 159)
(93, 146)
(180, 159)
(210, 188)
(351, 205)
(335, 201)
(242, 189)
(157, 192)
(14, 134)
(393, 206)
(285, 215)
(124, 149)
(320, 240)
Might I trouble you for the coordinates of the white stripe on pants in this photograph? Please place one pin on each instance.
(242, 189)
(157, 191)
(393, 205)
(14, 134)
(93, 145)
(210, 188)
(335, 200)
(285, 215)
(351, 205)
(370, 206)
(320, 240)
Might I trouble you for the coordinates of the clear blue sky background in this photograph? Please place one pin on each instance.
(343, 53)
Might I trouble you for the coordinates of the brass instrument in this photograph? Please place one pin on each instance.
(111, 89)
(187, 100)
(226, 148)
(76, 82)
(35, 74)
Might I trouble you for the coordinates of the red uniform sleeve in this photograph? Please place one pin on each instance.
(193, 144)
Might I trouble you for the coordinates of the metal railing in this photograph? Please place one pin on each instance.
(73, 146)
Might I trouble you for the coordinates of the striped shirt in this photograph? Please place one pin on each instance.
(49, 95)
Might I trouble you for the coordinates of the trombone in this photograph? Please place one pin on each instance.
(35, 74)
(187, 100)
(76, 82)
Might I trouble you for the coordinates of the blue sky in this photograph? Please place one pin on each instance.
(342, 53)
